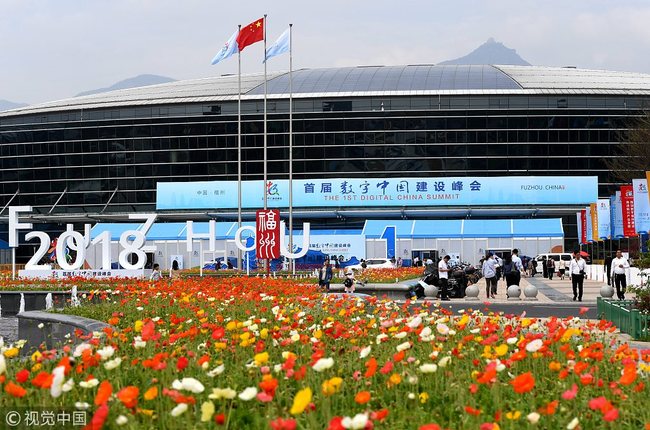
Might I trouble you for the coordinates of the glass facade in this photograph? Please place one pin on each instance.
(82, 160)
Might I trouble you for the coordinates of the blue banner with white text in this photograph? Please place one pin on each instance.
(382, 192)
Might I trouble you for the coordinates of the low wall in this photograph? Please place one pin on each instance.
(56, 329)
(34, 300)
(596, 272)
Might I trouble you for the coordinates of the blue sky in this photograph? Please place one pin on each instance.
(54, 49)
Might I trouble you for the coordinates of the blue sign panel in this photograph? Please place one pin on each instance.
(382, 192)
(617, 215)
(641, 205)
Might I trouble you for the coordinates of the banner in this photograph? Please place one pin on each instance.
(584, 224)
(641, 205)
(593, 210)
(616, 216)
(580, 229)
(590, 224)
(627, 210)
(382, 192)
(267, 225)
(604, 220)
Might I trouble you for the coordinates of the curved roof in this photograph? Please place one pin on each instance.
(367, 81)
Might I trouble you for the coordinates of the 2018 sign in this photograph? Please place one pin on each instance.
(132, 242)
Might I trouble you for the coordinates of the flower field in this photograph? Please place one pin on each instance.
(258, 353)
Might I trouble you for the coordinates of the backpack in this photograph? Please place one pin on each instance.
(347, 283)
(507, 268)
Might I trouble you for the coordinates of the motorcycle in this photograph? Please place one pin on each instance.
(461, 276)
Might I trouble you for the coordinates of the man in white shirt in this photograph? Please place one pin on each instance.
(619, 266)
(489, 270)
(443, 276)
(577, 270)
(516, 261)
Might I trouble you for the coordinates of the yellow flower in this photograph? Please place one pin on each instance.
(36, 356)
(318, 334)
(137, 326)
(261, 358)
(220, 346)
(570, 333)
(207, 410)
(331, 386)
(513, 415)
(300, 402)
(11, 352)
(501, 350)
(394, 379)
(264, 333)
(231, 325)
(424, 397)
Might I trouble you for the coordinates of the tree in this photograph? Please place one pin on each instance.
(631, 158)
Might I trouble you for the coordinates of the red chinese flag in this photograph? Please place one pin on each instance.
(253, 32)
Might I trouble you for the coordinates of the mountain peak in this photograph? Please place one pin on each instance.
(137, 81)
(490, 52)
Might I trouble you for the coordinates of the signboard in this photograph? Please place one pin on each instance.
(593, 210)
(267, 243)
(590, 225)
(583, 224)
(579, 224)
(616, 216)
(627, 210)
(382, 192)
(349, 246)
(641, 205)
(604, 219)
(94, 274)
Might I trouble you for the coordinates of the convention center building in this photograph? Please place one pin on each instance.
(100, 157)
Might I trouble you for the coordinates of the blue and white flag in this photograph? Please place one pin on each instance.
(280, 46)
(231, 47)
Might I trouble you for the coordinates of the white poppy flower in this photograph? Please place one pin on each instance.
(179, 409)
(248, 394)
(323, 364)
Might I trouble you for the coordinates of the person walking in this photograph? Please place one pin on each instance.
(544, 269)
(534, 272)
(443, 276)
(561, 268)
(519, 267)
(608, 269)
(577, 271)
(619, 266)
(550, 267)
(325, 275)
(509, 271)
(489, 271)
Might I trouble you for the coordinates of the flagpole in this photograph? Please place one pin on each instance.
(265, 95)
(239, 255)
(268, 262)
(293, 261)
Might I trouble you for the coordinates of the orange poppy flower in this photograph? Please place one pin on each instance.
(103, 393)
(523, 383)
(151, 393)
(371, 367)
(362, 397)
(629, 375)
(129, 396)
(15, 389)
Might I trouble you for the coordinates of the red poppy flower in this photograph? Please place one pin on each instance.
(283, 424)
(22, 376)
(523, 383)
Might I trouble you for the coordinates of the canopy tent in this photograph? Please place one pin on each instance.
(467, 228)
